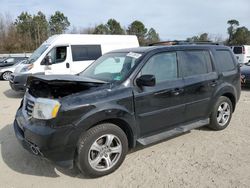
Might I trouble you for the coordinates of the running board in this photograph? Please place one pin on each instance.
(173, 132)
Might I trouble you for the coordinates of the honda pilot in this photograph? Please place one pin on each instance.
(125, 98)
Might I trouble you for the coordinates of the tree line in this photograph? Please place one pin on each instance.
(28, 31)
(237, 35)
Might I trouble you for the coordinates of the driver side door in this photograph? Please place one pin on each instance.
(60, 59)
(160, 107)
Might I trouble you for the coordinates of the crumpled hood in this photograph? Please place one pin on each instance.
(63, 78)
(58, 86)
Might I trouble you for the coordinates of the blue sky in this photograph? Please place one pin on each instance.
(173, 19)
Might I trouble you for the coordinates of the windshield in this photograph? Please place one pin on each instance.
(112, 67)
(37, 53)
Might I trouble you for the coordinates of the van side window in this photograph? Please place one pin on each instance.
(163, 66)
(238, 50)
(225, 60)
(195, 62)
(86, 52)
(58, 54)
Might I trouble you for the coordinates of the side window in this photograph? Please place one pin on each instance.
(58, 54)
(225, 60)
(86, 52)
(10, 60)
(163, 66)
(195, 62)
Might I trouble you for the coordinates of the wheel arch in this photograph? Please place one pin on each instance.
(123, 119)
(124, 126)
(231, 97)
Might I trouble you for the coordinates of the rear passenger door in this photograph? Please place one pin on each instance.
(83, 56)
(200, 80)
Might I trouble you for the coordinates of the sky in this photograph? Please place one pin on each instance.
(172, 19)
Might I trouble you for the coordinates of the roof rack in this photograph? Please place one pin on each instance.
(182, 42)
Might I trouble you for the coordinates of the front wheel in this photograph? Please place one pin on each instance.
(6, 75)
(222, 114)
(101, 150)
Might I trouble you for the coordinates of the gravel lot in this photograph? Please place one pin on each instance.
(201, 158)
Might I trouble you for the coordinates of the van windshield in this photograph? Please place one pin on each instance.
(36, 54)
(238, 50)
(112, 67)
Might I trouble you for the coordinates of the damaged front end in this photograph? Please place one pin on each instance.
(59, 86)
(49, 98)
(44, 123)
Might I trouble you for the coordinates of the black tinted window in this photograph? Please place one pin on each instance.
(195, 62)
(225, 60)
(163, 66)
(237, 50)
(86, 52)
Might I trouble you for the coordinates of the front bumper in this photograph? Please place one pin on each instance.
(18, 81)
(39, 139)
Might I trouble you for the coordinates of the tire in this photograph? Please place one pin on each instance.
(6, 75)
(222, 114)
(101, 150)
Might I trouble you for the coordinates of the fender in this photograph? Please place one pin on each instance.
(224, 88)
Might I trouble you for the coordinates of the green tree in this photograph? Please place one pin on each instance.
(241, 36)
(24, 26)
(58, 23)
(138, 28)
(200, 38)
(101, 29)
(114, 27)
(233, 24)
(204, 37)
(41, 26)
(152, 36)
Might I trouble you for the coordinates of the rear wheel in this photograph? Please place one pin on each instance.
(101, 150)
(222, 114)
(6, 75)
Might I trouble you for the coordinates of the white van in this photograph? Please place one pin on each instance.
(69, 54)
(242, 53)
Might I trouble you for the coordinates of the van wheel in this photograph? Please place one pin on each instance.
(222, 114)
(6, 75)
(101, 150)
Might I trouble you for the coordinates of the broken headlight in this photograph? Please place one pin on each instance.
(45, 108)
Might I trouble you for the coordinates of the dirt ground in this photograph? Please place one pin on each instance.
(201, 158)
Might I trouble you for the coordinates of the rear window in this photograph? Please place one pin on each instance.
(195, 62)
(237, 50)
(86, 52)
(225, 60)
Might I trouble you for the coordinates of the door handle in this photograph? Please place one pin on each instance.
(177, 91)
(167, 91)
(213, 83)
(67, 65)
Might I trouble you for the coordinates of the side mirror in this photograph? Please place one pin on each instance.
(47, 61)
(146, 80)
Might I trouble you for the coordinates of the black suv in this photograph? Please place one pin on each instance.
(141, 95)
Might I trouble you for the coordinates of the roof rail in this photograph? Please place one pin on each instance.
(183, 42)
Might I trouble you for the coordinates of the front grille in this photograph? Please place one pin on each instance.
(29, 106)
